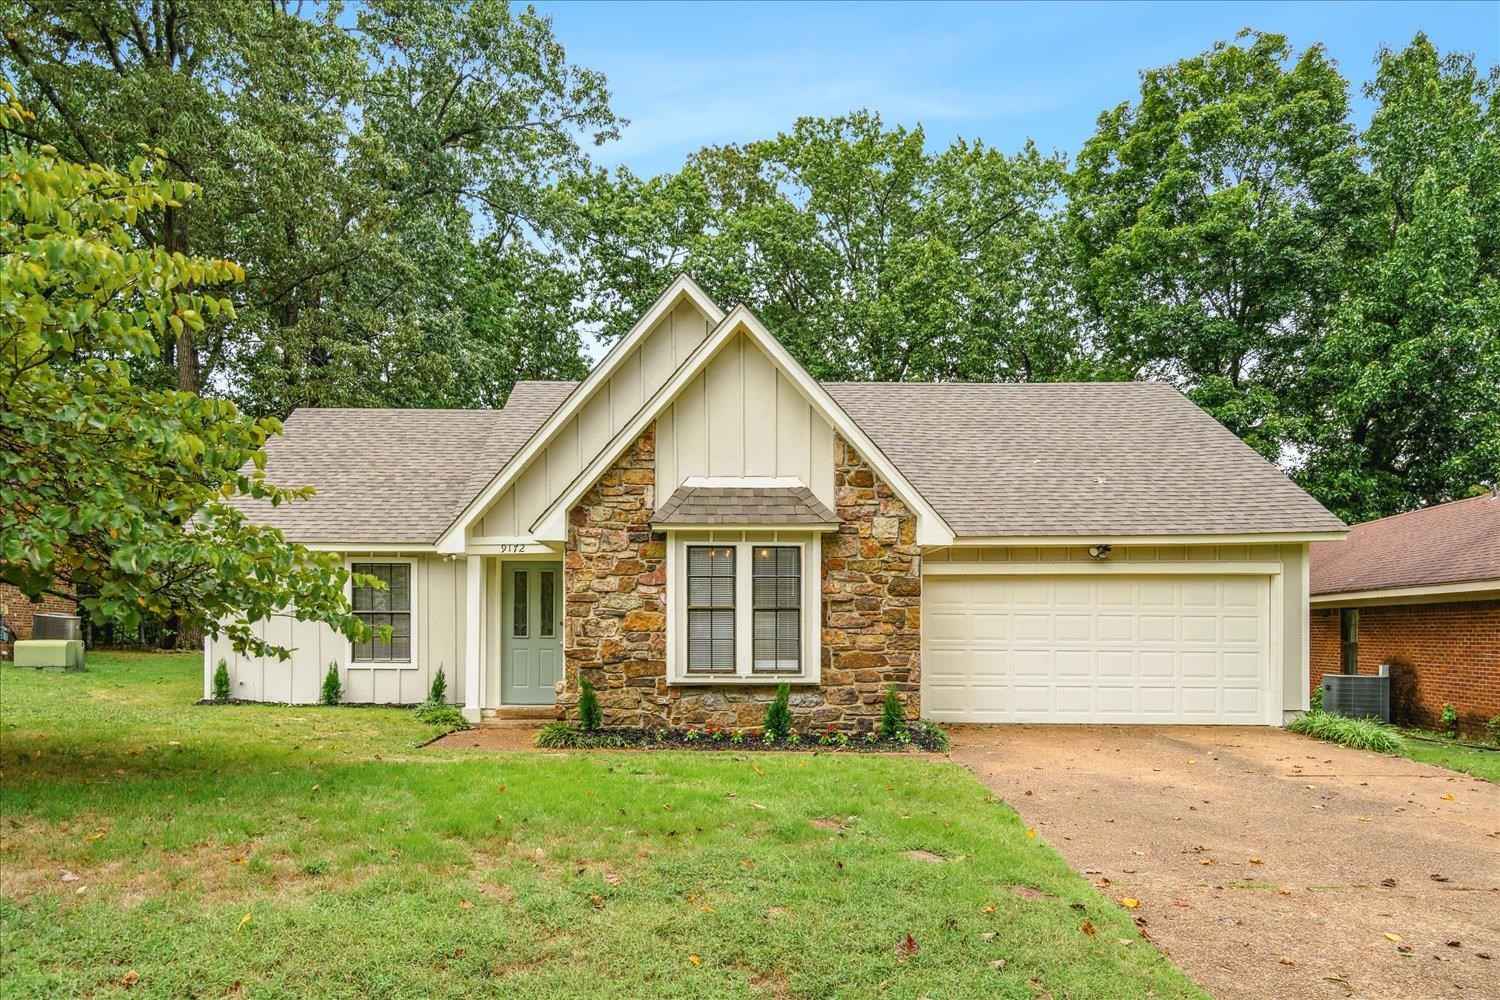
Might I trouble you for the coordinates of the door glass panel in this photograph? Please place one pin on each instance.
(545, 604)
(518, 607)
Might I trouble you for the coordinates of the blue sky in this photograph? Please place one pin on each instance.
(694, 74)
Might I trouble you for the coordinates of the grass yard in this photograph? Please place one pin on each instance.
(259, 851)
(1448, 753)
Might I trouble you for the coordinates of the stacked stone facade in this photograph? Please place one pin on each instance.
(1442, 653)
(615, 592)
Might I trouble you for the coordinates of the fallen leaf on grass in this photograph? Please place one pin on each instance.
(1447, 796)
(990, 936)
(598, 902)
(998, 964)
(464, 904)
(695, 960)
(990, 908)
(68, 876)
(1129, 902)
(1031, 831)
(130, 979)
(907, 946)
(755, 805)
(241, 925)
(1393, 937)
(1088, 928)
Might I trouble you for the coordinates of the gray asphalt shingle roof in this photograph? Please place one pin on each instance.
(744, 505)
(394, 476)
(1074, 459)
(1130, 458)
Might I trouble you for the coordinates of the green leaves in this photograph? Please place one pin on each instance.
(120, 491)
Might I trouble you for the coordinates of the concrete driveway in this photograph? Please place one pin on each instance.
(1268, 864)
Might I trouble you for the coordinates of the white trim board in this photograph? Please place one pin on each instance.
(551, 526)
(682, 287)
(1474, 590)
(1206, 567)
(1102, 538)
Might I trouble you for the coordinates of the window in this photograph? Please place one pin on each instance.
(1349, 640)
(743, 607)
(710, 609)
(548, 600)
(519, 615)
(386, 612)
(777, 585)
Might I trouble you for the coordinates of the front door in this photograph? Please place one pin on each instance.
(531, 644)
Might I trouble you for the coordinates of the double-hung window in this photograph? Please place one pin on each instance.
(386, 612)
(744, 610)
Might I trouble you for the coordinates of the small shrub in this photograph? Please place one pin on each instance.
(438, 693)
(793, 738)
(892, 715)
(1316, 704)
(1492, 729)
(1361, 734)
(937, 739)
(1449, 719)
(779, 714)
(589, 714)
(566, 736)
(691, 736)
(736, 737)
(333, 688)
(221, 682)
(437, 714)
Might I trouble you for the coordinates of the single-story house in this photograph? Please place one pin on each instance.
(699, 520)
(1419, 591)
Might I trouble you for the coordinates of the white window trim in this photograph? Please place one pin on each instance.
(743, 542)
(408, 664)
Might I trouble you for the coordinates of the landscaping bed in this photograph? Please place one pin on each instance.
(919, 737)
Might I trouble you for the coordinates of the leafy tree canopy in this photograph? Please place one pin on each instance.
(124, 491)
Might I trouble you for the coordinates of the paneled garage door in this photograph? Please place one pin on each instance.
(1094, 648)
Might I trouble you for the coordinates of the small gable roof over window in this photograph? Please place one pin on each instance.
(706, 505)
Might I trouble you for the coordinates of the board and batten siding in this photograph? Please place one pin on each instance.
(640, 374)
(741, 417)
(438, 619)
(1289, 588)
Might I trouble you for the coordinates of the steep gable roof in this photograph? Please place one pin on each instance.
(1457, 542)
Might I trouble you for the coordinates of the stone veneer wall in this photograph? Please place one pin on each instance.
(615, 592)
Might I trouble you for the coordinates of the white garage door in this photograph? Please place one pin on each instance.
(1093, 648)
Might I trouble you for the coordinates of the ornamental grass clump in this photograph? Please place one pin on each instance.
(779, 714)
(1361, 734)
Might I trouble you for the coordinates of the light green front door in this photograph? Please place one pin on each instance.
(531, 644)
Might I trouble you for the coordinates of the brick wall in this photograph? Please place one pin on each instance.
(19, 611)
(615, 629)
(1443, 652)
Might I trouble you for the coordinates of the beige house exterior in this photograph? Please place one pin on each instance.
(699, 520)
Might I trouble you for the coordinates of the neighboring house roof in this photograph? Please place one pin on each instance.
(393, 476)
(743, 505)
(1077, 459)
(1448, 543)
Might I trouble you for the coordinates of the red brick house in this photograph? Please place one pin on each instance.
(1420, 591)
(19, 612)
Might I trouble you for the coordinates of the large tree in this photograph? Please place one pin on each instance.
(1401, 398)
(111, 491)
(373, 169)
(1205, 224)
(871, 257)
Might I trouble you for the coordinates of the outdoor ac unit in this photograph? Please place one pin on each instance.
(1358, 696)
(50, 626)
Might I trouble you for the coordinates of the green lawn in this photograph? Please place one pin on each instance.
(1480, 763)
(259, 851)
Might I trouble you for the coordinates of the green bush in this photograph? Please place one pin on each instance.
(590, 716)
(1449, 719)
(221, 682)
(435, 713)
(566, 736)
(779, 714)
(1492, 729)
(892, 715)
(1361, 734)
(1317, 699)
(333, 689)
(438, 693)
(937, 739)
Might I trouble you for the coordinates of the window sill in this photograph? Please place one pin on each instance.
(738, 680)
(383, 665)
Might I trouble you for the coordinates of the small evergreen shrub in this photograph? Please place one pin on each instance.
(779, 714)
(333, 688)
(438, 693)
(221, 682)
(892, 715)
(1361, 734)
(1449, 719)
(1492, 729)
(590, 716)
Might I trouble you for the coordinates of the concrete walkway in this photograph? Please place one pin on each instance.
(1268, 864)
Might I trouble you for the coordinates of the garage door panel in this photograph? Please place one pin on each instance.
(1106, 648)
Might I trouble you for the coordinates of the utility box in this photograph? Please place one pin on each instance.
(1358, 696)
(49, 654)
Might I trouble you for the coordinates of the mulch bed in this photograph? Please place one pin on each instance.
(921, 739)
